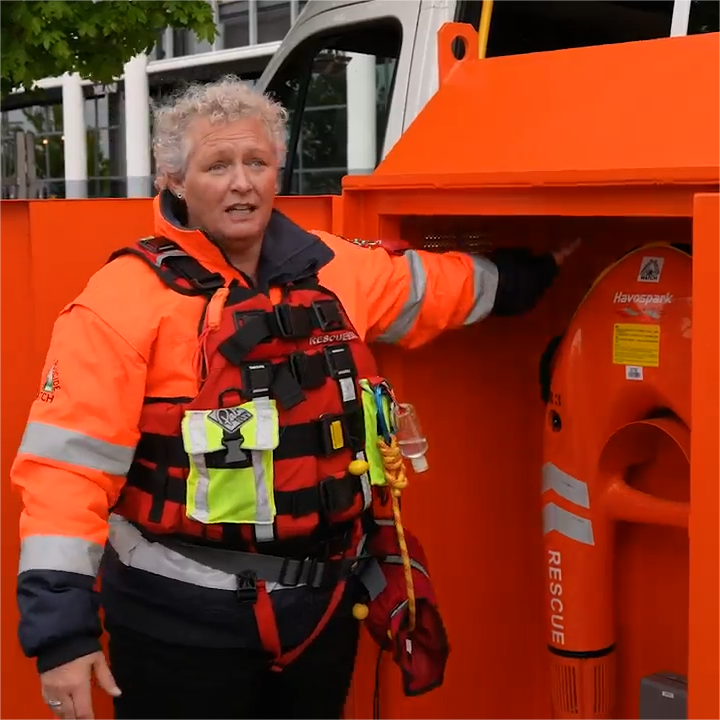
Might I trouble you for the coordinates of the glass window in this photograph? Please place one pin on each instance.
(236, 31)
(313, 86)
(704, 17)
(273, 20)
(36, 132)
(527, 26)
(181, 43)
(105, 145)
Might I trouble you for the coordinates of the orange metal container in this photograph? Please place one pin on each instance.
(616, 144)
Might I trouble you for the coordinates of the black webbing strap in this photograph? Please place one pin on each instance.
(255, 566)
(175, 268)
(329, 497)
(284, 322)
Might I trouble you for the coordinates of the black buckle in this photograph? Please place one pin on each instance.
(320, 574)
(243, 317)
(297, 574)
(257, 378)
(235, 456)
(327, 314)
(339, 361)
(297, 364)
(308, 370)
(292, 321)
(212, 281)
(284, 320)
(158, 245)
(246, 591)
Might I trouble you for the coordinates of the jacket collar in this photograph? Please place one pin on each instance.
(288, 252)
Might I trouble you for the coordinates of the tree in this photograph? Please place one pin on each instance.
(95, 39)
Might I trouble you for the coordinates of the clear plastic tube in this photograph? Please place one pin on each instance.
(411, 441)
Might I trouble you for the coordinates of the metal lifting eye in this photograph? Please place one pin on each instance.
(555, 421)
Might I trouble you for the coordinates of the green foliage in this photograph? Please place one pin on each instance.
(95, 39)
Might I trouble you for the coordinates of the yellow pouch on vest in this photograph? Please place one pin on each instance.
(232, 495)
(370, 415)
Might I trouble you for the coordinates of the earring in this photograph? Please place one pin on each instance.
(179, 196)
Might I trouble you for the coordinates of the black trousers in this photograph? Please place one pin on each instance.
(175, 682)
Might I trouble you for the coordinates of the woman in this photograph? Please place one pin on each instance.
(212, 464)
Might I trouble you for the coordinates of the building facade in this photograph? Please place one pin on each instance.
(337, 80)
(72, 139)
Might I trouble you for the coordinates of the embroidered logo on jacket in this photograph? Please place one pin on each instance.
(51, 384)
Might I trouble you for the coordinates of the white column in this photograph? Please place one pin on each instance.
(75, 155)
(680, 18)
(361, 122)
(137, 128)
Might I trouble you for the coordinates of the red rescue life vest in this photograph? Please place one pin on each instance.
(301, 352)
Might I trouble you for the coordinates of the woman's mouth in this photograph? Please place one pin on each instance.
(240, 210)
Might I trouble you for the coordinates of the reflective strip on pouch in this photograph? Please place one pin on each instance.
(566, 486)
(196, 432)
(59, 552)
(137, 552)
(51, 442)
(264, 530)
(365, 483)
(266, 426)
(397, 560)
(568, 524)
(410, 310)
(485, 283)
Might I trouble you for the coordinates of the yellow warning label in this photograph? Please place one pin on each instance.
(636, 344)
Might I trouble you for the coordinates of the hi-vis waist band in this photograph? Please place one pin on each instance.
(218, 569)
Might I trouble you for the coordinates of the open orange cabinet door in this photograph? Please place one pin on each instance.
(704, 649)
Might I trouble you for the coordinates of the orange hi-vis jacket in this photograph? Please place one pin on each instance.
(129, 342)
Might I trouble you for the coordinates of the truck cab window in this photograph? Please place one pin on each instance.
(526, 26)
(337, 91)
(704, 17)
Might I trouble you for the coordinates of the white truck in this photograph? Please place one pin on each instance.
(355, 73)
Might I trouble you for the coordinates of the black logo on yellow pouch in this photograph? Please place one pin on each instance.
(230, 419)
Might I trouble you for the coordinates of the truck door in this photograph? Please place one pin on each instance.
(342, 75)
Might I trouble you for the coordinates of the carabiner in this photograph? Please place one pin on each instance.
(381, 390)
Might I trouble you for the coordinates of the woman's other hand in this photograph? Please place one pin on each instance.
(67, 688)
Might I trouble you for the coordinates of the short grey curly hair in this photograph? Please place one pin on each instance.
(225, 100)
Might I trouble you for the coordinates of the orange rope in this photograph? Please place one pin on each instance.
(396, 479)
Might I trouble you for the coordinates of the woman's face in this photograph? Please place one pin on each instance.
(230, 180)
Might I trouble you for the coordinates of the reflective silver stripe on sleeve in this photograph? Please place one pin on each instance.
(568, 524)
(59, 552)
(51, 442)
(566, 486)
(409, 312)
(485, 283)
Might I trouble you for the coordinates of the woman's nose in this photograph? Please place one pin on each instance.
(241, 181)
